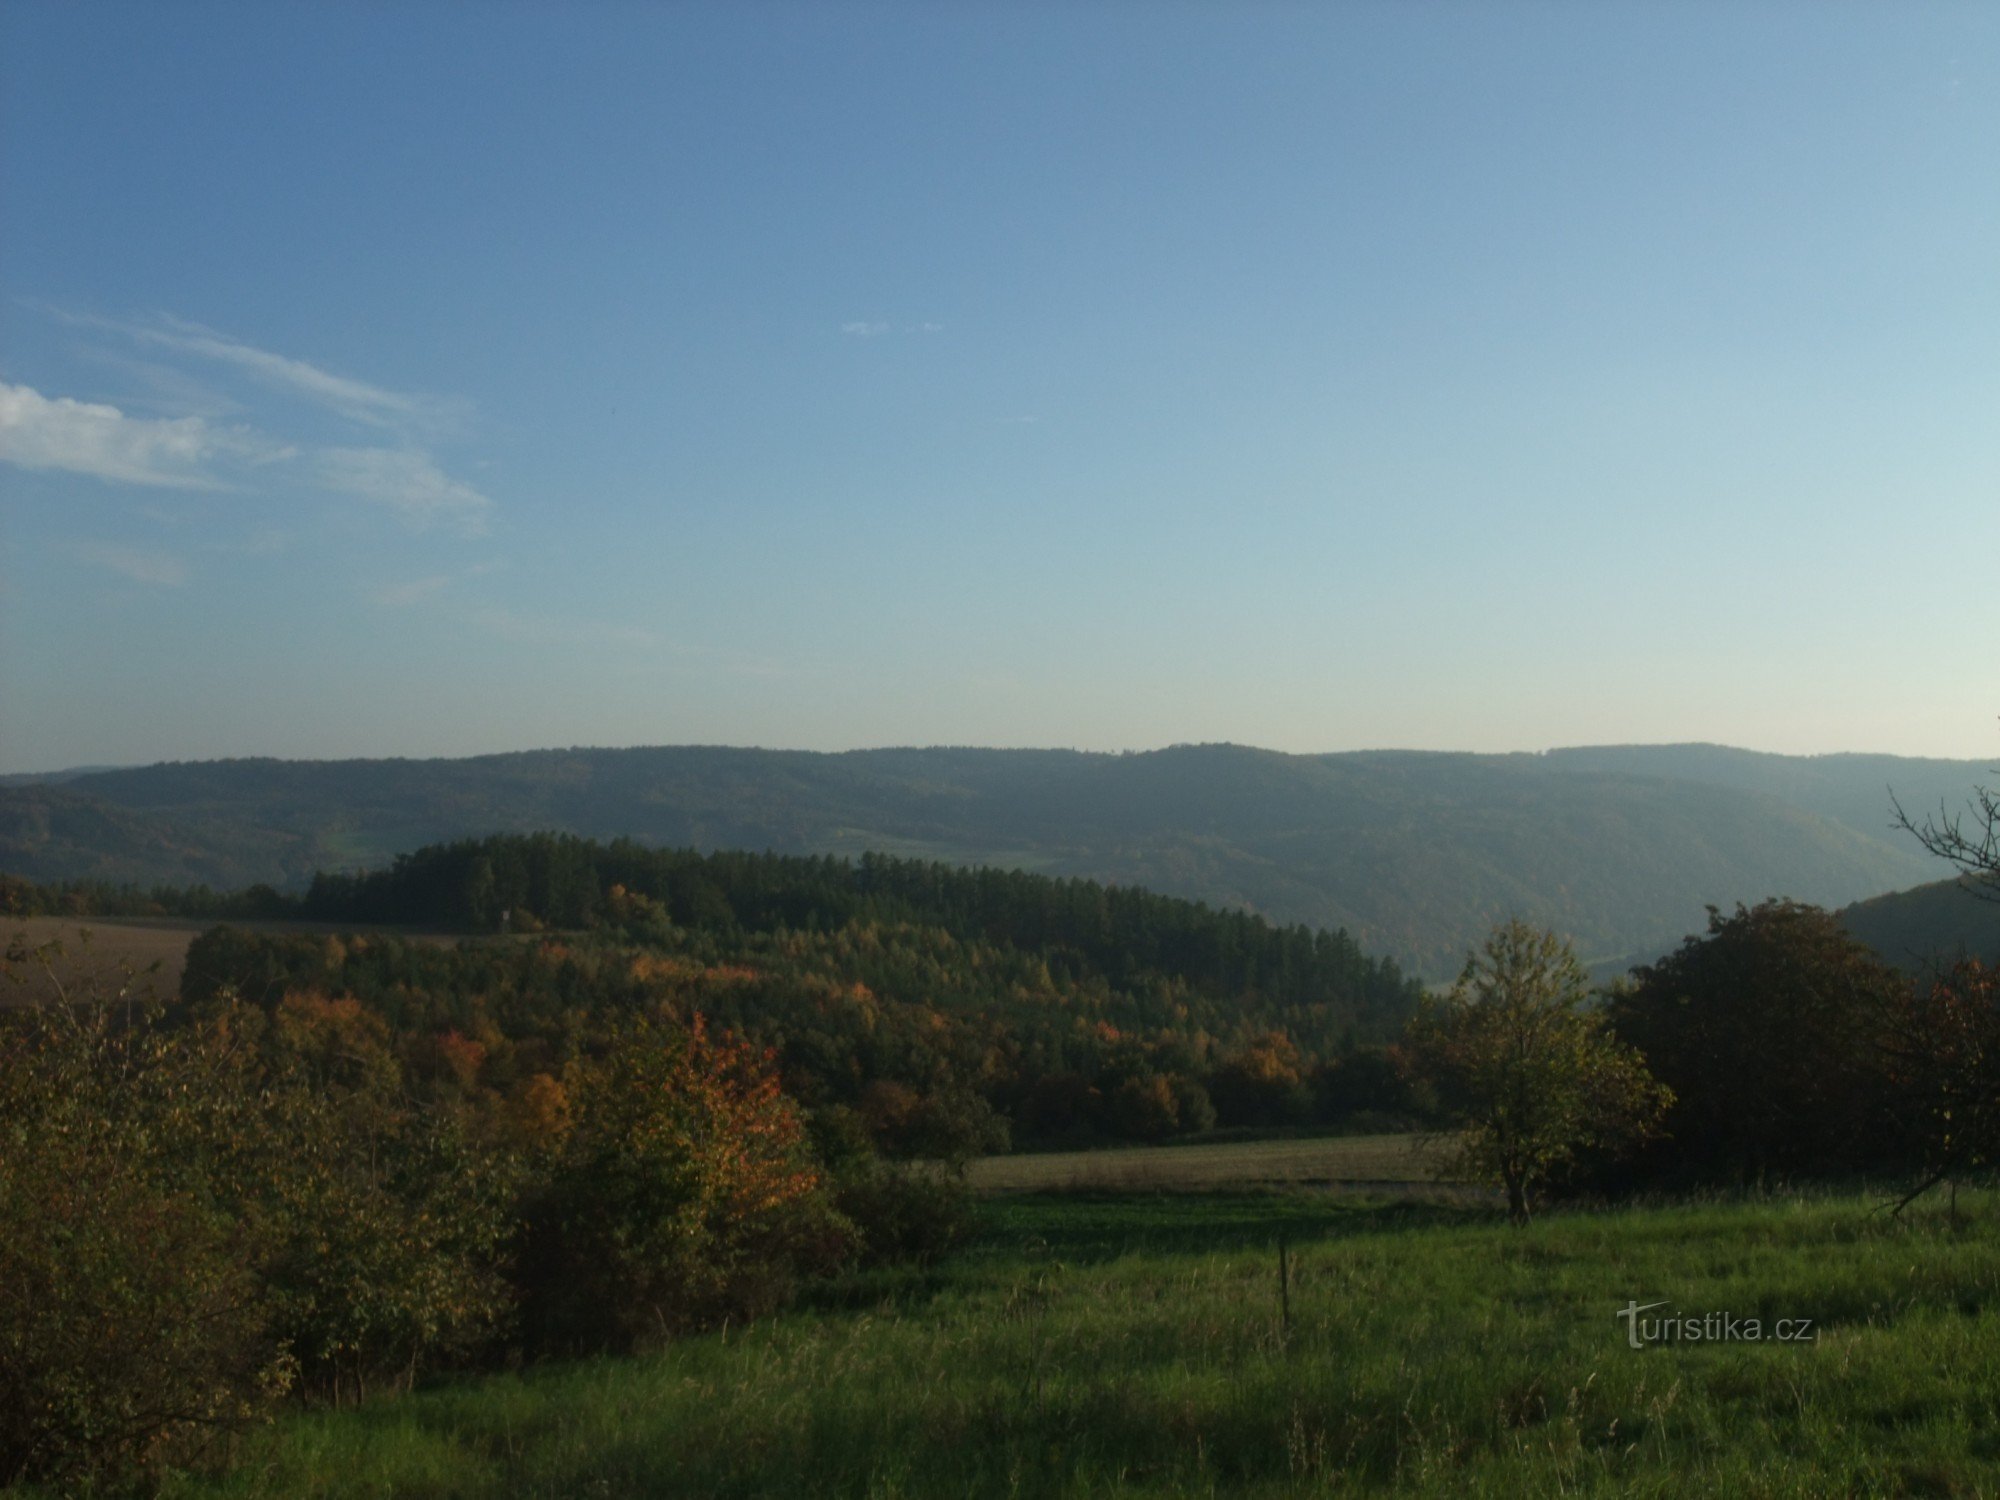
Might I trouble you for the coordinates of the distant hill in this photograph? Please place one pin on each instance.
(1858, 790)
(1932, 925)
(1413, 853)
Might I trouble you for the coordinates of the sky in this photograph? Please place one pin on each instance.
(434, 379)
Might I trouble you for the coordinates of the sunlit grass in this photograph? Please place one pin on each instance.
(1220, 1166)
(1137, 1346)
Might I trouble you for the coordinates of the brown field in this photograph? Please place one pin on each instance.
(106, 955)
(1390, 1162)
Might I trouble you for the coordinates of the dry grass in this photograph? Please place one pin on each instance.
(1388, 1161)
(102, 955)
(98, 956)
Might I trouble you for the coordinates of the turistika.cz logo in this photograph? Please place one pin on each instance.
(1708, 1328)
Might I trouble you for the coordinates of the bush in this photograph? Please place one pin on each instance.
(683, 1194)
(198, 1220)
(904, 1215)
(134, 1330)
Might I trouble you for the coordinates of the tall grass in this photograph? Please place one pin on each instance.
(1137, 1347)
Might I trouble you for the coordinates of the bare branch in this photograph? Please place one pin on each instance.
(1968, 838)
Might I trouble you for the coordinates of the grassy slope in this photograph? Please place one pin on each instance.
(1134, 1346)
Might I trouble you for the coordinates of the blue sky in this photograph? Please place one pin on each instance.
(437, 379)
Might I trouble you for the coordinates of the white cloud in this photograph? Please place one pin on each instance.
(407, 482)
(864, 330)
(86, 437)
(142, 567)
(190, 450)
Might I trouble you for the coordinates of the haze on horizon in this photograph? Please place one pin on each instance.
(431, 381)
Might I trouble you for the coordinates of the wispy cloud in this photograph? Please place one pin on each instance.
(861, 330)
(141, 567)
(356, 400)
(159, 389)
(400, 474)
(408, 482)
(88, 437)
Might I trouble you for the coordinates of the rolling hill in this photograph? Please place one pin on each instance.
(1932, 925)
(1414, 853)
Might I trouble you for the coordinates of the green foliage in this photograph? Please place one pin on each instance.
(904, 1215)
(134, 1331)
(1525, 1070)
(1770, 1031)
(385, 1244)
(682, 1193)
(1943, 1048)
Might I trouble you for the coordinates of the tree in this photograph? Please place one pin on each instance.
(133, 1328)
(1944, 1050)
(1973, 846)
(1525, 1069)
(1769, 1030)
(682, 1192)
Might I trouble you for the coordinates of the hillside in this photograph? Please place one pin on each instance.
(1413, 853)
(1933, 924)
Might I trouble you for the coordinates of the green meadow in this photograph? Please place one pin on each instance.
(1141, 1344)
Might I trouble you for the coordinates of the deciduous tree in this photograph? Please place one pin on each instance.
(1525, 1068)
(1769, 1031)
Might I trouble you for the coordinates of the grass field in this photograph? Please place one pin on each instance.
(1137, 1345)
(1343, 1160)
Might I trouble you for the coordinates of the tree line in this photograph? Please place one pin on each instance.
(1773, 1048)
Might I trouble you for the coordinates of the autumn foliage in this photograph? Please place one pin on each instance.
(209, 1207)
(679, 1193)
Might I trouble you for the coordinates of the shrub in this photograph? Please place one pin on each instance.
(683, 1193)
(903, 1214)
(132, 1333)
(134, 1330)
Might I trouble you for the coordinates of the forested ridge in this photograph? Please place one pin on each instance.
(1415, 854)
(951, 1009)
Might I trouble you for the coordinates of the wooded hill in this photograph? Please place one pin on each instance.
(943, 1004)
(1415, 854)
(1930, 927)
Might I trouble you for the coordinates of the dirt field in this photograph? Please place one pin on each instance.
(112, 953)
(1391, 1161)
